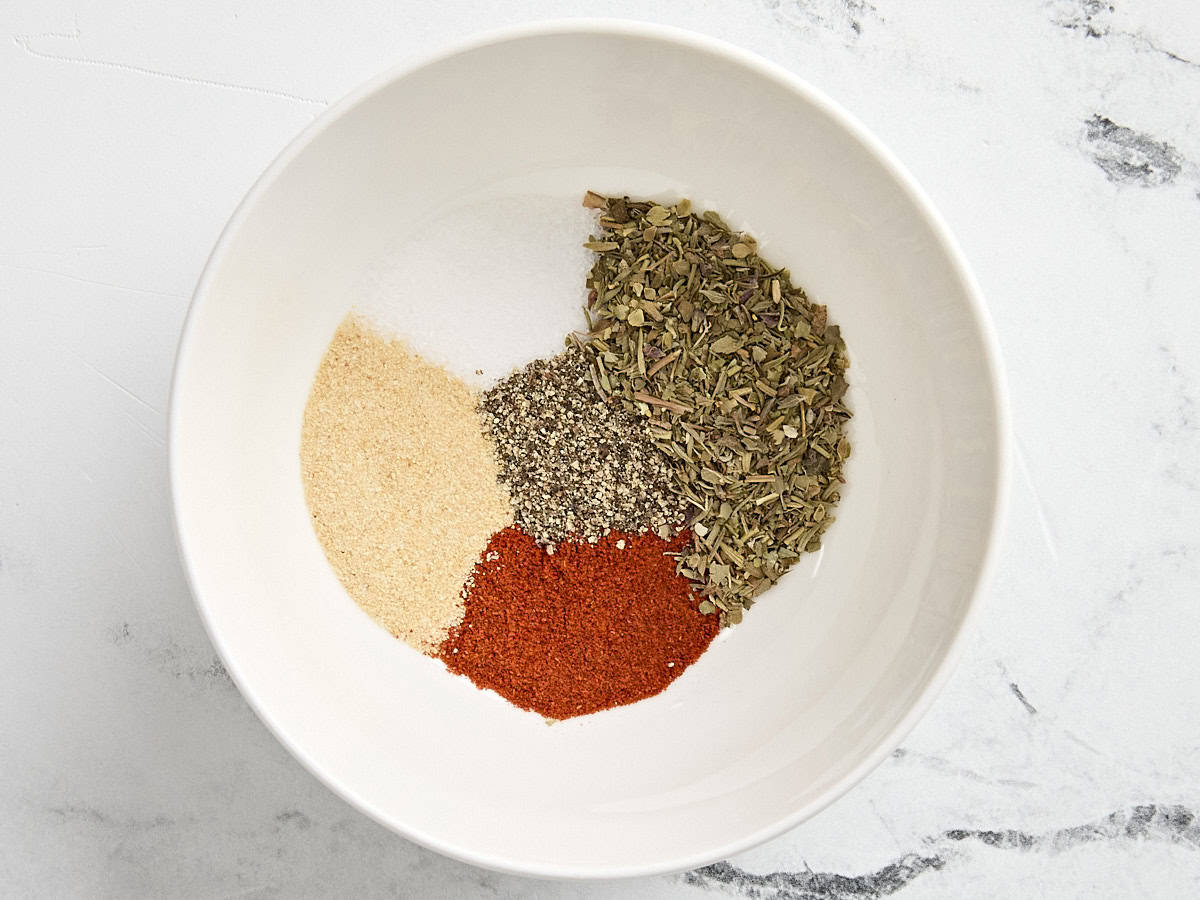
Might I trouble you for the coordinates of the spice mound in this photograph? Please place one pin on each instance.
(575, 537)
(576, 466)
(401, 483)
(588, 627)
(740, 377)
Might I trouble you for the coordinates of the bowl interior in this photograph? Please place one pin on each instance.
(784, 711)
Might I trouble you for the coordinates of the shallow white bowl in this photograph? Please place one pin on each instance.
(829, 670)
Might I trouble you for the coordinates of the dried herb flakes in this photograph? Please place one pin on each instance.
(741, 381)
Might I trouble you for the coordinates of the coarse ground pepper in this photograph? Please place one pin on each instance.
(576, 466)
(588, 627)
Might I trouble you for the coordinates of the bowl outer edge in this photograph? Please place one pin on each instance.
(982, 321)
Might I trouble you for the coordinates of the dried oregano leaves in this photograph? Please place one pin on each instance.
(741, 379)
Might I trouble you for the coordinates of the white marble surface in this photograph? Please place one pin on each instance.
(1061, 140)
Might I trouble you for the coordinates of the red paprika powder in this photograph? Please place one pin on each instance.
(585, 628)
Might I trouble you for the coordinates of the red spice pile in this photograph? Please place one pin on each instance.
(585, 628)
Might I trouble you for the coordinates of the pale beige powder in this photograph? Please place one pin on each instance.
(400, 481)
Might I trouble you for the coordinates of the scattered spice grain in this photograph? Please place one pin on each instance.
(400, 481)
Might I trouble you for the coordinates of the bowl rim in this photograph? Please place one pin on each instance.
(1000, 438)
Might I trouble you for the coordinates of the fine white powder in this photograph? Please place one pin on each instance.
(484, 287)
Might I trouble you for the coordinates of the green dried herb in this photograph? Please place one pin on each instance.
(741, 379)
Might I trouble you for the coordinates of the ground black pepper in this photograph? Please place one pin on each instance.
(576, 466)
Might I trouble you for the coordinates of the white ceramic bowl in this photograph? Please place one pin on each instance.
(833, 666)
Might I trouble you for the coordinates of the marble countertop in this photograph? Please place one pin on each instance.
(1060, 139)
